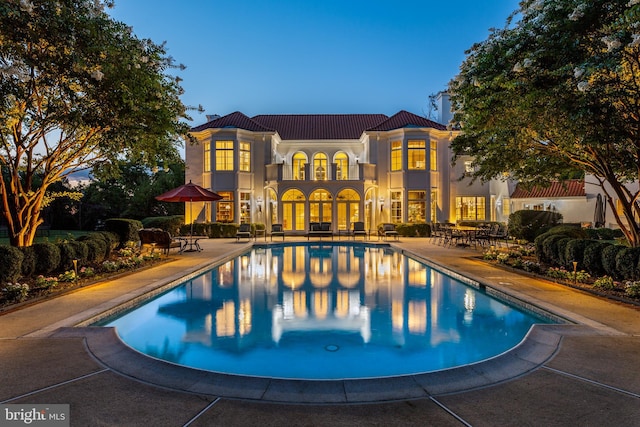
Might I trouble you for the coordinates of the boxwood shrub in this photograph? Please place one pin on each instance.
(561, 245)
(125, 229)
(609, 260)
(171, 224)
(48, 257)
(627, 263)
(11, 262)
(592, 257)
(527, 224)
(29, 261)
(574, 251)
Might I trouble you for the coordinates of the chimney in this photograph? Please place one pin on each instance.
(444, 108)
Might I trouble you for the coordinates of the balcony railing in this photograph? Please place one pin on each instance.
(285, 172)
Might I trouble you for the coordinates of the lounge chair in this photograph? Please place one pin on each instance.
(388, 230)
(320, 229)
(277, 230)
(358, 230)
(244, 232)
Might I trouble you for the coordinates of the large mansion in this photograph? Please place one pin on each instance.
(340, 168)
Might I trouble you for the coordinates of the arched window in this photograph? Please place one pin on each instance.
(348, 208)
(320, 206)
(293, 202)
(320, 166)
(342, 166)
(299, 160)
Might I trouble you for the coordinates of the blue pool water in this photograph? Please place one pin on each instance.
(323, 311)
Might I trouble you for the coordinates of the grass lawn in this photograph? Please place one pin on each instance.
(54, 235)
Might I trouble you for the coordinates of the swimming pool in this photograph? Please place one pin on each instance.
(323, 311)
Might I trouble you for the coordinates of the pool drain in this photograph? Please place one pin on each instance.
(332, 348)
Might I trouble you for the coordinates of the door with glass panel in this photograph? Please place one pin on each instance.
(293, 210)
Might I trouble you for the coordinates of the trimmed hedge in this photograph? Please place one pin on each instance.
(574, 251)
(48, 257)
(171, 224)
(593, 258)
(11, 262)
(609, 255)
(627, 263)
(414, 229)
(560, 258)
(125, 229)
(29, 261)
(528, 224)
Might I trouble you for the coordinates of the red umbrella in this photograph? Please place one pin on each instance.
(189, 193)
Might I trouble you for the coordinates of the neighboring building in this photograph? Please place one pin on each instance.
(341, 168)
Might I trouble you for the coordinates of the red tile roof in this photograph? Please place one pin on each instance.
(557, 189)
(319, 126)
(233, 120)
(404, 119)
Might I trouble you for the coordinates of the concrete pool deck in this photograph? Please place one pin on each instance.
(586, 373)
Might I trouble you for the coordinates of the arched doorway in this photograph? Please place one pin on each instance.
(299, 162)
(320, 206)
(320, 167)
(348, 208)
(342, 166)
(293, 210)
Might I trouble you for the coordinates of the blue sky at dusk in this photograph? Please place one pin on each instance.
(314, 57)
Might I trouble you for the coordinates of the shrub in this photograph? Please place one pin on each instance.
(561, 246)
(632, 289)
(67, 255)
(11, 262)
(414, 229)
(15, 291)
(609, 259)
(111, 239)
(604, 282)
(627, 263)
(125, 229)
(550, 248)
(171, 224)
(48, 257)
(604, 233)
(574, 251)
(81, 250)
(29, 261)
(592, 257)
(528, 224)
(96, 250)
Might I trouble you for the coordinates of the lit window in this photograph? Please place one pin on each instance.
(224, 155)
(396, 155)
(506, 206)
(342, 166)
(299, 160)
(433, 155)
(416, 206)
(320, 166)
(207, 157)
(396, 206)
(224, 207)
(245, 157)
(470, 209)
(416, 155)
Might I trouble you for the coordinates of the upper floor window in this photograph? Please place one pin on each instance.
(245, 157)
(433, 155)
(299, 160)
(224, 155)
(342, 166)
(206, 167)
(416, 155)
(396, 155)
(320, 166)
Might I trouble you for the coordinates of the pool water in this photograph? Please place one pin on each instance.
(323, 311)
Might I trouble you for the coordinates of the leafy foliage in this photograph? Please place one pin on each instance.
(77, 89)
(528, 224)
(555, 93)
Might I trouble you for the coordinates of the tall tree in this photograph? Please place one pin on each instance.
(76, 88)
(557, 90)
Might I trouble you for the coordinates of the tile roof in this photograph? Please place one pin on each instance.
(557, 189)
(404, 119)
(319, 126)
(233, 120)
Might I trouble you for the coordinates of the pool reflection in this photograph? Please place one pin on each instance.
(323, 311)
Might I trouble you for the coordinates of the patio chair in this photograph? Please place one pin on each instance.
(244, 232)
(277, 230)
(388, 230)
(358, 230)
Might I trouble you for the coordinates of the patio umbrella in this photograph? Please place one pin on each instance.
(189, 193)
(600, 214)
